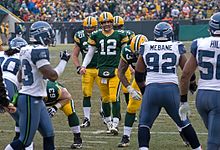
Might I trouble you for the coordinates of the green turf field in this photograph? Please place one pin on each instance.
(164, 135)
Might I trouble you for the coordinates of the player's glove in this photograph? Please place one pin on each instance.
(134, 93)
(184, 110)
(52, 111)
(193, 87)
(78, 68)
(64, 55)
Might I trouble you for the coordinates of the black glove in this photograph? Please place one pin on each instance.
(193, 87)
(78, 69)
(64, 55)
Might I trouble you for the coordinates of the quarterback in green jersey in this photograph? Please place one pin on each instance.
(108, 42)
(81, 46)
(58, 97)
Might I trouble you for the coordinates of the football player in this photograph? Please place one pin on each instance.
(10, 64)
(108, 42)
(159, 59)
(58, 97)
(205, 55)
(129, 56)
(81, 46)
(35, 67)
(4, 101)
(119, 25)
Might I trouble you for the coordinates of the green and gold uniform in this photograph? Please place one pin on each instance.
(81, 38)
(130, 58)
(53, 95)
(109, 50)
(128, 74)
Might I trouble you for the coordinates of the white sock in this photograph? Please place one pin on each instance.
(8, 147)
(30, 147)
(86, 111)
(17, 129)
(198, 148)
(100, 102)
(115, 122)
(75, 129)
(143, 148)
(127, 131)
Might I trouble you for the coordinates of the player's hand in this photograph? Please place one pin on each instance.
(82, 70)
(193, 87)
(134, 93)
(52, 111)
(10, 108)
(64, 55)
(184, 110)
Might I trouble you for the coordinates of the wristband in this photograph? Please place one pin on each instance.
(183, 98)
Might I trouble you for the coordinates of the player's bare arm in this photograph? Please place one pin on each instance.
(48, 72)
(75, 55)
(122, 68)
(140, 73)
(188, 71)
(182, 61)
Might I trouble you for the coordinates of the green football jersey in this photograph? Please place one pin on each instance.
(108, 46)
(80, 38)
(53, 92)
(130, 35)
(128, 56)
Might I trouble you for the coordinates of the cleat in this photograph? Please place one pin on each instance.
(86, 123)
(114, 130)
(109, 127)
(125, 141)
(77, 143)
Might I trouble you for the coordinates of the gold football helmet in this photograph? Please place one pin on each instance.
(90, 24)
(105, 17)
(118, 21)
(137, 41)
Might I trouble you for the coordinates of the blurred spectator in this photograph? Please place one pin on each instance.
(77, 10)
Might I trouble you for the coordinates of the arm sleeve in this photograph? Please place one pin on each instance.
(89, 55)
(194, 48)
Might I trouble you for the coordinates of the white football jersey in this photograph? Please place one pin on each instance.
(32, 58)
(162, 60)
(207, 54)
(10, 66)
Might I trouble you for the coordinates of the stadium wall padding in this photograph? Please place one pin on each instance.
(191, 32)
(184, 30)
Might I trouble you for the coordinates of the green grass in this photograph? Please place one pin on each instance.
(164, 132)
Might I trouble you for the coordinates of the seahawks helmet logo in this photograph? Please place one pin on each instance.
(106, 73)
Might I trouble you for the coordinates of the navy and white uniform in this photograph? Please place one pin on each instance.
(10, 66)
(207, 54)
(31, 107)
(162, 60)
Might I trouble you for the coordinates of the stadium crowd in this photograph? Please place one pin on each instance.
(77, 10)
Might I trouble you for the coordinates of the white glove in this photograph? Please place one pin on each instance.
(52, 111)
(134, 93)
(184, 110)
